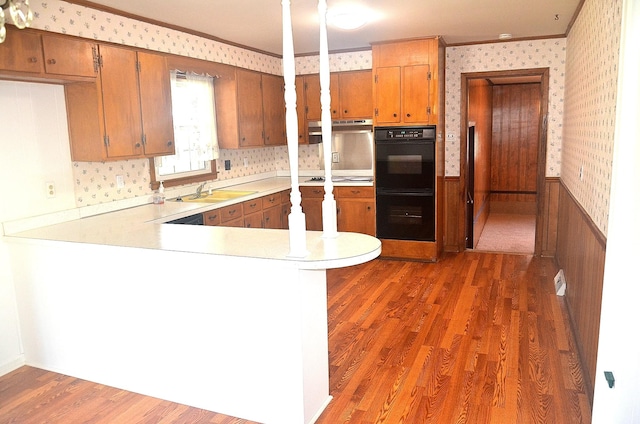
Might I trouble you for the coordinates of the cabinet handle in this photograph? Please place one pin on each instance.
(408, 115)
(212, 217)
(32, 59)
(138, 145)
(395, 115)
(334, 111)
(346, 111)
(169, 143)
(355, 191)
(232, 212)
(51, 61)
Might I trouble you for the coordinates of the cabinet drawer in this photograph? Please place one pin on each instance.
(212, 217)
(311, 191)
(251, 206)
(359, 192)
(270, 200)
(231, 212)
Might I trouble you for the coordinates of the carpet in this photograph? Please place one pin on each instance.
(513, 233)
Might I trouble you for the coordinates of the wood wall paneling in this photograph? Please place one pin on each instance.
(580, 253)
(515, 137)
(452, 208)
(480, 113)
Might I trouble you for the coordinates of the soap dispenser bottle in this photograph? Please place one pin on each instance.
(161, 193)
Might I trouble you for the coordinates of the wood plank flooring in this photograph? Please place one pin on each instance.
(474, 338)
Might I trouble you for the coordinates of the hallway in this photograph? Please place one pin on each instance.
(509, 233)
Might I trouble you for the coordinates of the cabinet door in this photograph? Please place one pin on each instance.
(356, 215)
(356, 97)
(312, 97)
(253, 220)
(250, 118)
(312, 206)
(121, 102)
(303, 137)
(273, 109)
(155, 104)
(272, 217)
(415, 93)
(21, 52)
(69, 56)
(387, 95)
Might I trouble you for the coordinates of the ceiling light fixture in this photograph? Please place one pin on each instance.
(20, 12)
(505, 36)
(348, 17)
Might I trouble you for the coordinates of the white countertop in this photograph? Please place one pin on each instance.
(142, 227)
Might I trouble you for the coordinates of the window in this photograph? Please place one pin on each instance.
(194, 127)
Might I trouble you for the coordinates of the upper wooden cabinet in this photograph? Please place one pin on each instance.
(406, 82)
(273, 110)
(351, 95)
(127, 113)
(250, 110)
(48, 56)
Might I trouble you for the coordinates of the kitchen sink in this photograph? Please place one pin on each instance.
(214, 197)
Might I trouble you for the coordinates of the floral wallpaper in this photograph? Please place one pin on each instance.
(548, 53)
(590, 106)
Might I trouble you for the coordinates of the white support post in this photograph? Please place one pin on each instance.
(297, 226)
(329, 218)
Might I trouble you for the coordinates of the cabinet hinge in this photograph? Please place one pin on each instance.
(96, 59)
(138, 66)
(428, 110)
(376, 111)
(429, 76)
(144, 139)
(375, 79)
(106, 140)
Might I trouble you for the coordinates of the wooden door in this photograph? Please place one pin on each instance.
(250, 115)
(155, 103)
(415, 94)
(121, 102)
(387, 95)
(356, 95)
(273, 110)
(21, 52)
(69, 56)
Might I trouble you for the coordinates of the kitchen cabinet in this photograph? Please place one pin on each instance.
(355, 208)
(127, 113)
(312, 197)
(351, 95)
(406, 83)
(273, 110)
(50, 56)
(250, 110)
(262, 212)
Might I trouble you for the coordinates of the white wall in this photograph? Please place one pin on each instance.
(619, 347)
(34, 149)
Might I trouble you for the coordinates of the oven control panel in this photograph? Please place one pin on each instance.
(406, 133)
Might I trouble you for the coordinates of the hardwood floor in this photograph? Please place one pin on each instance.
(474, 338)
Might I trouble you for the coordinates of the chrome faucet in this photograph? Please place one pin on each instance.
(199, 191)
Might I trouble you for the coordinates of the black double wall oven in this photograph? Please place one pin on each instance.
(405, 182)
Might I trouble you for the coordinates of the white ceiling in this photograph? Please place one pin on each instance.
(257, 24)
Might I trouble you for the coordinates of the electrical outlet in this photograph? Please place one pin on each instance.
(227, 165)
(451, 136)
(51, 189)
(335, 157)
(119, 181)
(245, 161)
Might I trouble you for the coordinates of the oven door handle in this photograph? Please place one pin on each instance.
(407, 192)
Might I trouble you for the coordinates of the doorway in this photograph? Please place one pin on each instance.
(503, 158)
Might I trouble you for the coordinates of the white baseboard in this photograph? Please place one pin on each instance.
(12, 365)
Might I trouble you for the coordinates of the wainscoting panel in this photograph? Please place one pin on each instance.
(454, 216)
(581, 252)
(548, 231)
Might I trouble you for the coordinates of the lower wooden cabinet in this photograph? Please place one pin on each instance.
(355, 208)
(268, 211)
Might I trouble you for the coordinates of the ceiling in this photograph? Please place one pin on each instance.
(257, 24)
